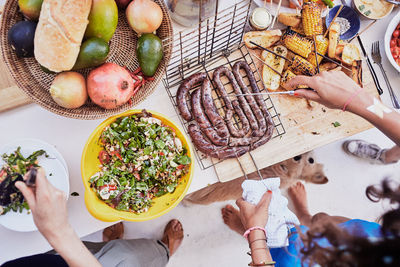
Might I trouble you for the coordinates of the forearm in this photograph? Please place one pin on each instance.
(71, 248)
(258, 247)
(386, 121)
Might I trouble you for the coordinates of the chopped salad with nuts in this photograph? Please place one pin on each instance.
(141, 159)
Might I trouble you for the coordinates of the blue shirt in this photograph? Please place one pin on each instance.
(291, 256)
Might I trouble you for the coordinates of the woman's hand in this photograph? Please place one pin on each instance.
(48, 206)
(49, 211)
(254, 215)
(332, 89)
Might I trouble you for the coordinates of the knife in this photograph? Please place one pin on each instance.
(371, 69)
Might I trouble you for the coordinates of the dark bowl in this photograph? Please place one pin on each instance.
(349, 14)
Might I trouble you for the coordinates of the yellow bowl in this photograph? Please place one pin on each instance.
(90, 165)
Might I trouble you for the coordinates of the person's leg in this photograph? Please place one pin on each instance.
(142, 252)
(298, 195)
(173, 236)
(392, 155)
(231, 218)
(372, 152)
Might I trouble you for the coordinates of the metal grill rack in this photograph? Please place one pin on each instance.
(216, 42)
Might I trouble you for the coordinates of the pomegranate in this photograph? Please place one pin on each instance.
(122, 3)
(110, 86)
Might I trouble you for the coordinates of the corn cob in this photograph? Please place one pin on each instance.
(322, 48)
(312, 19)
(302, 66)
(286, 77)
(297, 43)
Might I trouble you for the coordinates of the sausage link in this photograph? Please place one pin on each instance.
(211, 150)
(216, 120)
(203, 121)
(183, 92)
(246, 108)
(245, 123)
(250, 99)
(199, 141)
(261, 103)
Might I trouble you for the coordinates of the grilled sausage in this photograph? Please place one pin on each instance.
(236, 89)
(251, 101)
(211, 150)
(203, 121)
(245, 123)
(216, 120)
(183, 92)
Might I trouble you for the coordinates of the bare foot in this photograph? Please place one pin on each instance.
(173, 235)
(232, 219)
(298, 195)
(113, 232)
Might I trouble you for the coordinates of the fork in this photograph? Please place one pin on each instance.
(376, 56)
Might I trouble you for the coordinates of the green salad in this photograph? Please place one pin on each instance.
(11, 199)
(141, 159)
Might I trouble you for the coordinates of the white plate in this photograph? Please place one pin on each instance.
(54, 164)
(389, 31)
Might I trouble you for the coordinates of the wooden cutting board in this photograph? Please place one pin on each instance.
(306, 129)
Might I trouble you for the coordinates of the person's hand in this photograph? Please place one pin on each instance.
(254, 215)
(48, 206)
(332, 89)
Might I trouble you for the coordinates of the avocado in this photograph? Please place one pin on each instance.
(30, 8)
(149, 53)
(93, 52)
(21, 38)
(103, 19)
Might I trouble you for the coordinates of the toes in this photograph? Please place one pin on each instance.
(176, 225)
(231, 209)
(223, 211)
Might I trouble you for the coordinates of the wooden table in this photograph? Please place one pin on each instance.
(70, 135)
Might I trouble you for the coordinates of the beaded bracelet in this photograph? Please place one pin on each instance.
(246, 234)
(261, 264)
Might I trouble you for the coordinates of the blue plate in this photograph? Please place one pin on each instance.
(349, 14)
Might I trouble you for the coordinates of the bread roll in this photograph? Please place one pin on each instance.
(59, 34)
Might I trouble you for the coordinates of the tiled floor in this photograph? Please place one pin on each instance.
(208, 242)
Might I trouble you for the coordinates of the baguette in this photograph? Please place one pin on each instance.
(290, 19)
(58, 36)
(333, 39)
(270, 78)
(263, 38)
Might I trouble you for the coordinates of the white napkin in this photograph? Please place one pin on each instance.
(280, 218)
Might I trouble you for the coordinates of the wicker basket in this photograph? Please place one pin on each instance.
(36, 83)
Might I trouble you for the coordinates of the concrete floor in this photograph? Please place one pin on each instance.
(208, 242)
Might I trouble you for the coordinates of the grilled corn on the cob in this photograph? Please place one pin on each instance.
(322, 48)
(312, 19)
(297, 43)
(302, 66)
(286, 77)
